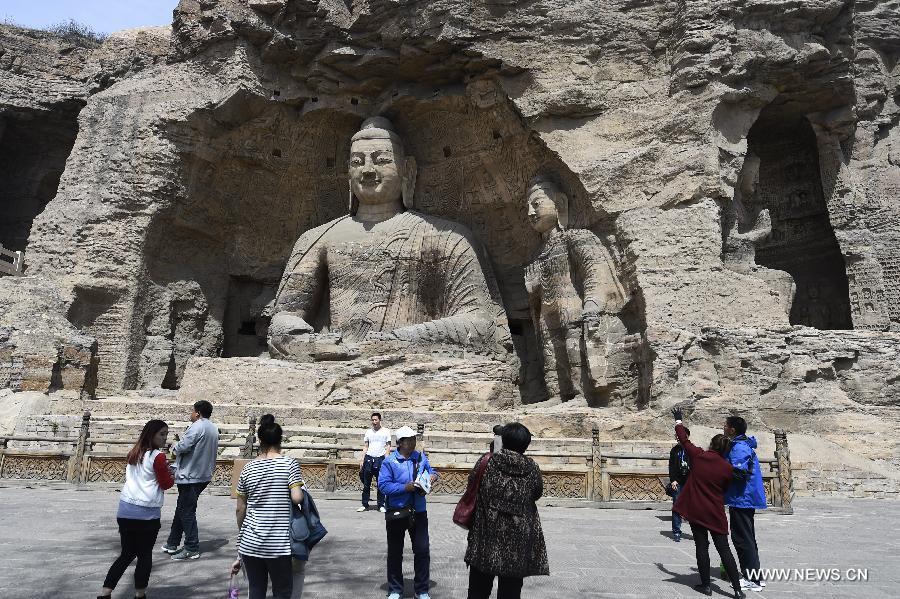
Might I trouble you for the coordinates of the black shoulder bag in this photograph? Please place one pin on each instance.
(407, 513)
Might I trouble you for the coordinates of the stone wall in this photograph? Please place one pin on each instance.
(202, 153)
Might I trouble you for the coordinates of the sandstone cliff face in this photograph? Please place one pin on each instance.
(195, 169)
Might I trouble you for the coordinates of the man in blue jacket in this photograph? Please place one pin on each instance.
(745, 495)
(396, 482)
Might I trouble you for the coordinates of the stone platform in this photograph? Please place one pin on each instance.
(59, 543)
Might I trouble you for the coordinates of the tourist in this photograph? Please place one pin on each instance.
(701, 502)
(505, 537)
(376, 445)
(679, 468)
(406, 512)
(195, 462)
(745, 495)
(266, 489)
(147, 475)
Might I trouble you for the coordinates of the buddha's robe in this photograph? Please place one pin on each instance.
(417, 277)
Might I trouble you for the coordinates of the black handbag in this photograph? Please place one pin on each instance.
(407, 513)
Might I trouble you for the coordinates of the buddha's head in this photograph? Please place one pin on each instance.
(380, 172)
(548, 205)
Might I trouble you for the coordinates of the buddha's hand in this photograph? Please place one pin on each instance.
(287, 323)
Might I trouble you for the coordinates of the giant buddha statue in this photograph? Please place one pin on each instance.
(384, 272)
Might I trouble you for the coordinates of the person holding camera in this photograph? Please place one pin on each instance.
(701, 502)
(405, 479)
(679, 468)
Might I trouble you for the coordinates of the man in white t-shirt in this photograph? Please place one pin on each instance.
(376, 446)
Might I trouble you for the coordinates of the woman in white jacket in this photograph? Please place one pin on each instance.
(146, 477)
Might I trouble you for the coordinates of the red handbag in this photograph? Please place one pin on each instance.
(465, 509)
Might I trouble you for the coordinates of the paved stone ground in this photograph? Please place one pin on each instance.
(58, 543)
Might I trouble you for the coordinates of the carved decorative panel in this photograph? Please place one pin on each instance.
(566, 485)
(314, 475)
(636, 487)
(106, 470)
(769, 486)
(451, 481)
(348, 478)
(35, 467)
(222, 473)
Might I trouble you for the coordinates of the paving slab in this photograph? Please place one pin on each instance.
(59, 542)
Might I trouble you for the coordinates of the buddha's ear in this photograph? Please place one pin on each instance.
(562, 208)
(410, 171)
(353, 203)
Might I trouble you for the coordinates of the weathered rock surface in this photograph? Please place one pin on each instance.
(197, 166)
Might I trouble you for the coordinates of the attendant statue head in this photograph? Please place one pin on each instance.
(548, 205)
(380, 172)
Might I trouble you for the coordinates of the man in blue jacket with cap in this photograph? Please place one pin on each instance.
(396, 481)
(745, 495)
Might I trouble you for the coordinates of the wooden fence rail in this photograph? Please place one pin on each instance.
(596, 477)
(11, 263)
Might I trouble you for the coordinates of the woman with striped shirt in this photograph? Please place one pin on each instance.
(147, 475)
(266, 489)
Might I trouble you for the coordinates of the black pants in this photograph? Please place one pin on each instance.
(743, 533)
(260, 570)
(138, 538)
(370, 468)
(418, 533)
(185, 519)
(480, 585)
(701, 544)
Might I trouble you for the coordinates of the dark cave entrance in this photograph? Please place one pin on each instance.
(244, 326)
(802, 242)
(34, 147)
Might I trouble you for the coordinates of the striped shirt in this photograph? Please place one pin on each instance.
(266, 484)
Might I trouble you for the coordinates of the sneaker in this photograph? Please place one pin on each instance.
(423, 596)
(186, 554)
(703, 588)
(362, 508)
(382, 510)
(394, 596)
(750, 585)
(169, 549)
(739, 594)
(676, 537)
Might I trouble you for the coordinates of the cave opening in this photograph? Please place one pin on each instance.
(34, 147)
(802, 241)
(244, 325)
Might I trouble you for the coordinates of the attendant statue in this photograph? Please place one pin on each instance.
(577, 302)
(385, 272)
(745, 224)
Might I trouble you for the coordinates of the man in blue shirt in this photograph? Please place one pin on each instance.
(744, 496)
(396, 481)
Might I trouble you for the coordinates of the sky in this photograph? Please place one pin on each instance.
(103, 16)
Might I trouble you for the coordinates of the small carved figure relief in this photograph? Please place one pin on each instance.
(744, 225)
(577, 302)
(385, 272)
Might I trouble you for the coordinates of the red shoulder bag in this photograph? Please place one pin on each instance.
(465, 509)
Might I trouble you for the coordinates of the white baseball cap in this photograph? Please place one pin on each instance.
(403, 432)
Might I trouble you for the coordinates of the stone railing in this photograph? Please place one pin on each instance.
(11, 263)
(611, 478)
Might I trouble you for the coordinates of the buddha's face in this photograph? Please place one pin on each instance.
(375, 176)
(541, 209)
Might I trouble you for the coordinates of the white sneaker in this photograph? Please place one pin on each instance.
(382, 510)
(361, 508)
(423, 596)
(394, 596)
(749, 585)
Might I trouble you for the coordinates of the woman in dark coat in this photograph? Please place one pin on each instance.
(702, 503)
(505, 537)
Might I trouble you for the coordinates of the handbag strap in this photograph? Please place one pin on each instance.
(481, 468)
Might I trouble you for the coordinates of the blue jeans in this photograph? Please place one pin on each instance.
(185, 520)
(676, 517)
(371, 466)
